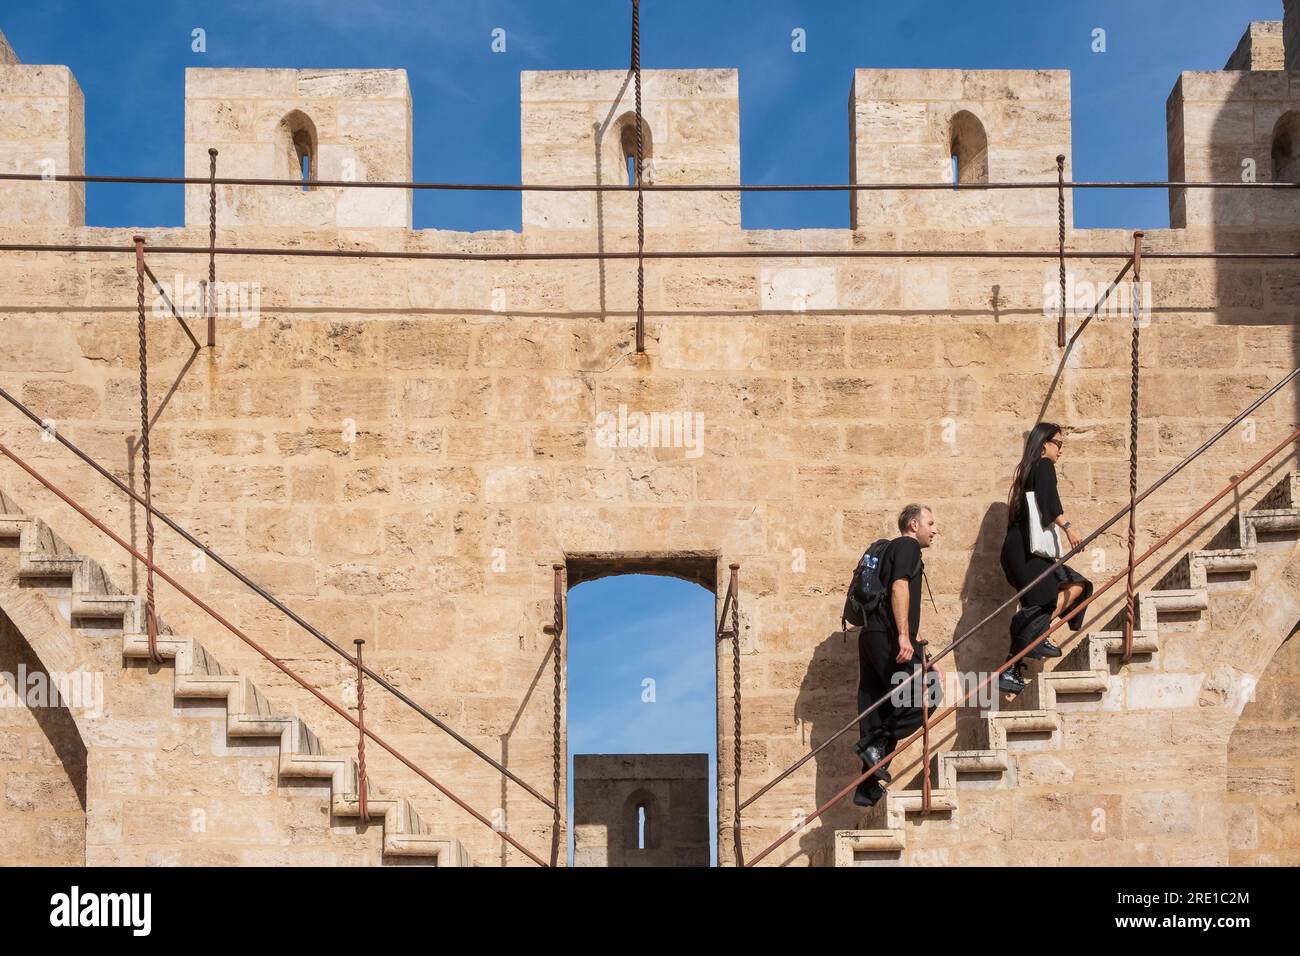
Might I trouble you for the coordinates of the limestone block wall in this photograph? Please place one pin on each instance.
(905, 126)
(402, 449)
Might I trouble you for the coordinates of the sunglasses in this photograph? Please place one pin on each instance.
(1057, 442)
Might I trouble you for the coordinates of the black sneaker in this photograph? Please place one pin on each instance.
(1044, 649)
(872, 755)
(868, 793)
(1010, 681)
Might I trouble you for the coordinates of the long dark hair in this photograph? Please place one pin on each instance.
(1034, 442)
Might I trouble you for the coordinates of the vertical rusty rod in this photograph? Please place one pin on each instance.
(557, 754)
(150, 608)
(212, 248)
(361, 740)
(735, 697)
(640, 195)
(1136, 308)
(925, 731)
(1060, 215)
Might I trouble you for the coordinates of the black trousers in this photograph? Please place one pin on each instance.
(880, 674)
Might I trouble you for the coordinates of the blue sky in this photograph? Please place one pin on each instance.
(130, 63)
(624, 631)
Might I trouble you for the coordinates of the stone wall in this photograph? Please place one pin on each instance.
(402, 449)
(1264, 768)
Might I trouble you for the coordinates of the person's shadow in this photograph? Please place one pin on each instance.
(827, 701)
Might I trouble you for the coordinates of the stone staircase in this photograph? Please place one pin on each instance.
(47, 563)
(986, 743)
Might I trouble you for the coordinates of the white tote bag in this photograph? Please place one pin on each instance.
(1042, 541)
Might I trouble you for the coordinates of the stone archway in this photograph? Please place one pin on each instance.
(675, 774)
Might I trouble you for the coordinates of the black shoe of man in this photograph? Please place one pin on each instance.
(1010, 681)
(872, 755)
(868, 793)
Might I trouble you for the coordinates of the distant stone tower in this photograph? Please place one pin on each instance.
(308, 124)
(45, 135)
(640, 809)
(1238, 124)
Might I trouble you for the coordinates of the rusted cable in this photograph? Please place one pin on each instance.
(1060, 214)
(220, 619)
(640, 195)
(1101, 300)
(1078, 609)
(212, 248)
(157, 286)
(1136, 308)
(150, 608)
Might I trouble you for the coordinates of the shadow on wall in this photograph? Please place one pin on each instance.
(56, 724)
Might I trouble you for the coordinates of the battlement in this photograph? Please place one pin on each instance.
(352, 125)
(905, 126)
(1260, 48)
(968, 126)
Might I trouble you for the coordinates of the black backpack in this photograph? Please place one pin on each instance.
(866, 591)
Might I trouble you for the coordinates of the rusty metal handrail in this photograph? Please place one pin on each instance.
(297, 251)
(1011, 662)
(649, 187)
(1272, 390)
(220, 619)
(273, 600)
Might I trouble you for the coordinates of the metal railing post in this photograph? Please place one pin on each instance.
(1136, 308)
(150, 611)
(925, 731)
(361, 739)
(211, 290)
(557, 754)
